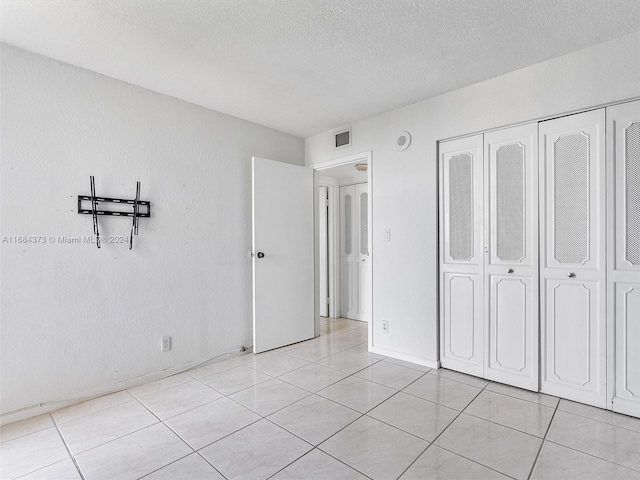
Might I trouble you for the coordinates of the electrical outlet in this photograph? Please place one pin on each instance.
(165, 344)
(385, 326)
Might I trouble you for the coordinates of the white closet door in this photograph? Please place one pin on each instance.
(461, 230)
(511, 272)
(363, 268)
(624, 260)
(348, 252)
(572, 270)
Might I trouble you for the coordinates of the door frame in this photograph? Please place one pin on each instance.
(317, 177)
(333, 245)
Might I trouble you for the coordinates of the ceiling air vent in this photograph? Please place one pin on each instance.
(342, 138)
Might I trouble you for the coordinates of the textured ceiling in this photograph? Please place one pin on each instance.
(306, 66)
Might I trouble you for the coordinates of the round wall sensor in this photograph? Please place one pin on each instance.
(403, 141)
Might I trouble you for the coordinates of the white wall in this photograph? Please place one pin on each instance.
(405, 183)
(75, 318)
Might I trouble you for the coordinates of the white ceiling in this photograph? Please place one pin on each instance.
(345, 174)
(306, 66)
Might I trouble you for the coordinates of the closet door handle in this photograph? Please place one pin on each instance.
(571, 275)
(510, 270)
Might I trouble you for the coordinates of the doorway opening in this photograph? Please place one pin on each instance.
(344, 238)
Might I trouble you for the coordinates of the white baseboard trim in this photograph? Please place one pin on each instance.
(407, 358)
(53, 405)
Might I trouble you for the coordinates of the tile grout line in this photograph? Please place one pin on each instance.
(445, 429)
(415, 460)
(73, 458)
(375, 361)
(437, 436)
(593, 456)
(485, 419)
(352, 422)
(137, 399)
(262, 417)
(163, 466)
(523, 399)
(296, 459)
(544, 439)
(212, 465)
(600, 421)
(322, 452)
(132, 397)
(506, 426)
(291, 383)
(238, 391)
(315, 362)
(25, 434)
(225, 436)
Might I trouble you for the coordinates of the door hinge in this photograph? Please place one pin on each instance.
(327, 300)
(326, 202)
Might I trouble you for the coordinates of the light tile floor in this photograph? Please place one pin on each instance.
(322, 409)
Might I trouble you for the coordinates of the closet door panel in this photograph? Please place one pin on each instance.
(347, 251)
(461, 230)
(574, 326)
(627, 388)
(463, 314)
(572, 179)
(363, 267)
(624, 260)
(511, 219)
(511, 352)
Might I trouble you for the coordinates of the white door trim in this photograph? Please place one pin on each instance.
(333, 190)
(318, 170)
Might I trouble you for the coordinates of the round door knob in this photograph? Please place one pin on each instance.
(571, 275)
(510, 270)
(260, 255)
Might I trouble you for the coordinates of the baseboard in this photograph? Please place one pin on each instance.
(51, 406)
(407, 358)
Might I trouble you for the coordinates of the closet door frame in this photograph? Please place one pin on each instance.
(609, 143)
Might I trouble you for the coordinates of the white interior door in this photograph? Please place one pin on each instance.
(355, 263)
(323, 237)
(347, 251)
(572, 270)
(511, 271)
(283, 254)
(624, 260)
(462, 255)
(363, 269)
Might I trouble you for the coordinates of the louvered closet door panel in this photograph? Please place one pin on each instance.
(623, 122)
(511, 273)
(572, 270)
(461, 231)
